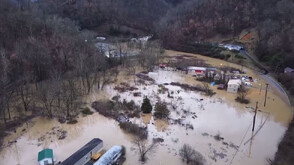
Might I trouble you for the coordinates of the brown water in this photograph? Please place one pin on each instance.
(216, 115)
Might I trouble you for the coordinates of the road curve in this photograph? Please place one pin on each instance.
(266, 76)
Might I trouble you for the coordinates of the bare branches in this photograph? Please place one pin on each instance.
(143, 148)
(191, 156)
(242, 93)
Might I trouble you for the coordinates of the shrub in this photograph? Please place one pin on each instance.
(2, 130)
(105, 108)
(87, 111)
(135, 113)
(115, 98)
(114, 31)
(146, 106)
(161, 110)
(191, 156)
(285, 79)
(242, 101)
(72, 121)
(134, 129)
(123, 150)
(239, 56)
(129, 105)
(291, 90)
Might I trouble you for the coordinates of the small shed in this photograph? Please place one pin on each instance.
(45, 157)
(234, 85)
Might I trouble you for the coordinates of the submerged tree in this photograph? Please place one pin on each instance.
(207, 89)
(191, 156)
(143, 148)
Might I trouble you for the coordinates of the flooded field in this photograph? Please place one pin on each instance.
(217, 127)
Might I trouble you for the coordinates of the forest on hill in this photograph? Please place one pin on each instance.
(178, 22)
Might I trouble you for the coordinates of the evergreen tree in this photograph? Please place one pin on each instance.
(146, 106)
(161, 110)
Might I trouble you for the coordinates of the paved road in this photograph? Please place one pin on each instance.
(256, 62)
(266, 76)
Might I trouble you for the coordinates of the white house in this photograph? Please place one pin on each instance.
(45, 157)
(193, 70)
(234, 85)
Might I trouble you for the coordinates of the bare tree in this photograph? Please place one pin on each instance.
(191, 156)
(207, 89)
(6, 88)
(150, 55)
(25, 92)
(242, 95)
(187, 152)
(143, 148)
(131, 66)
(47, 93)
(70, 97)
(106, 78)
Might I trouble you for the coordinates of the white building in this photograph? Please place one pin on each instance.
(111, 156)
(234, 85)
(193, 70)
(231, 47)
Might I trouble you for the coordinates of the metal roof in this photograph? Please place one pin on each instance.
(46, 153)
(195, 68)
(82, 152)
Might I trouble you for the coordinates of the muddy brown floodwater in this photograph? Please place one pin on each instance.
(217, 127)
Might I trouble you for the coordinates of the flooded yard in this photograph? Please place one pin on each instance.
(217, 127)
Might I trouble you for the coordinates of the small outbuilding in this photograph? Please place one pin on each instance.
(45, 157)
(234, 85)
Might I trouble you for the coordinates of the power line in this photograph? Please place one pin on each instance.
(240, 145)
(254, 117)
(265, 96)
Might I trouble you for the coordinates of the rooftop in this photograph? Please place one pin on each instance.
(196, 68)
(109, 156)
(46, 153)
(235, 81)
(82, 152)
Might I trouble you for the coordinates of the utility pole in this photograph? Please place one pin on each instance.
(254, 117)
(265, 96)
